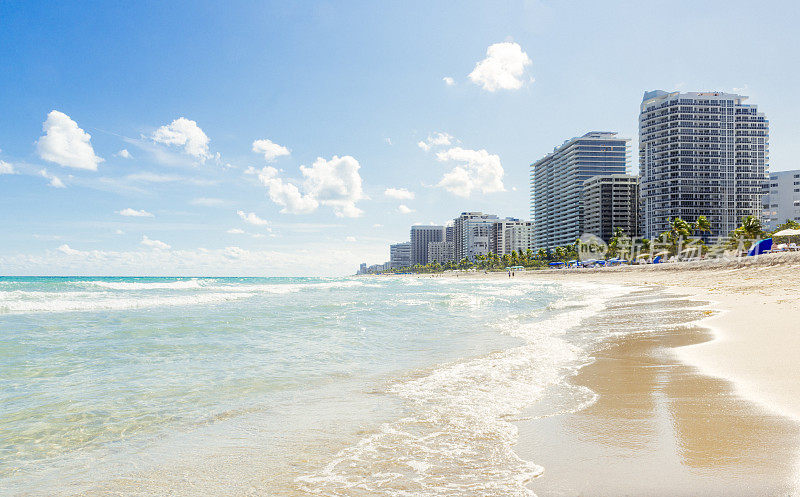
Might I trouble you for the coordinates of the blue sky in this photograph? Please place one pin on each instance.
(219, 107)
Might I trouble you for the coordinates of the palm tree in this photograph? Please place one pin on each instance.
(702, 225)
(751, 226)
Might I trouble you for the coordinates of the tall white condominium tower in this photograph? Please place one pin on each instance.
(781, 199)
(701, 154)
(557, 184)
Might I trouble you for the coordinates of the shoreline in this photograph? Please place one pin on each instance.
(754, 342)
(746, 365)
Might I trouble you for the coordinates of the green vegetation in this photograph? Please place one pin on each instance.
(681, 239)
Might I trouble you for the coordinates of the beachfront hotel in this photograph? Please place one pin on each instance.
(421, 236)
(511, 235)
(470, 235)
(556, 184)
(610, 202)
(781, 201)
(400, 254)
(701, 154)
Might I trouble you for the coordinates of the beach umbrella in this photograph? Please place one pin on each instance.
(787, 232)
(661, 254)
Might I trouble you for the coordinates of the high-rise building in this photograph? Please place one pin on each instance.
(557, 184)
(441, 252)
(477, 236)
(466, 240)
(781, 201)
(701, 154)
(509, 235)
(611, 202)
(400, 255)
(421, 236)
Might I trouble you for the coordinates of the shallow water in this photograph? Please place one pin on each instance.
(290, 386)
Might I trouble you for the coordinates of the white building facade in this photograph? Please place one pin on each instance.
(781, 201)
(701, 154)
(512, 235)
(400, 255)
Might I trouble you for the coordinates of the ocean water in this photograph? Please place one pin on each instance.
(284, 386)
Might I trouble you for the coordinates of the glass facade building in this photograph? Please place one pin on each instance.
(557, 179)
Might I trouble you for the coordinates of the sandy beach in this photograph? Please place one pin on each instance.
(709, 406)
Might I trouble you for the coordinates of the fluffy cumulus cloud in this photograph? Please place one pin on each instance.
(55, 181)
(335, 183)
(134, 213)
(269, 149)
(65, 144)
(502, 69)
(156, 244)
(235, 231)
(252, 218)
(184, 133)
(124, 154)
(435, 140)
(478, 171)
(6, 168)
(448, 81)
(404, 209)
(399, 193)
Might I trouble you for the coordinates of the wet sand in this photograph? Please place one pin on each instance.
(660, 427)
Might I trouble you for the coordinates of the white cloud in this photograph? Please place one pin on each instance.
(502, 69)
(235, 252)
(448, 81)
(404, 209)
(208, 202)
(435, 140)
(184, 133)
(479, 171)
(66, 144)
(399, 193)
(252, 218)
(134, 213)
(350, 239)
(334, 183)
(388, 141)
(270, 149)
(66, 249)
(6, 168)
(235, 231)
(119, 232)
(156, 244)
(55, 182)
(147, 177)
(377, 225)
(286, 194)
(124, 154)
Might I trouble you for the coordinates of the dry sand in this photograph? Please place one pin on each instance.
(705, 409)
(757, 331)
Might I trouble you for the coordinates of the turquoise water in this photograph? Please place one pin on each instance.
(311, 386)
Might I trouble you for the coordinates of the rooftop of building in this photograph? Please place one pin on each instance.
(663, 95)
